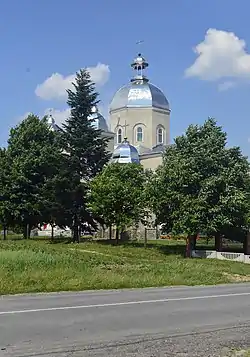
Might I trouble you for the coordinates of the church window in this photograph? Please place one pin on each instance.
(160, 136)
(119, 136)
(139, 134)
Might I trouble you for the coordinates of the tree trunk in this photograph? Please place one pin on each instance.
(52, 231)
(188, 247)
(193, 241)
(26, 231)
(145, 238)
(4, 232)
(76, 234)
(79, 234)
(117, 235)
(75, 230)
(218, 242)
(246, 244)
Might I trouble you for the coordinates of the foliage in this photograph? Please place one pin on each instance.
(5, 207)
(117, 195)
(34, 158)
(202, 185)
(85, 152)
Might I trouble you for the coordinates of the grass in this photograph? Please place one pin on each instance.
(38, 266)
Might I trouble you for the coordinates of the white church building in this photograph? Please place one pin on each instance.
(139, 123)
(139, 116)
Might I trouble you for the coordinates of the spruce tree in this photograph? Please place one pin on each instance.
(86, 151)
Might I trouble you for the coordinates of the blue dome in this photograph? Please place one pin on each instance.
(136, 95)
(98, 120)
(125, 153)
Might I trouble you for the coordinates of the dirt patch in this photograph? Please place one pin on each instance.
(90, 251)
(236, 278)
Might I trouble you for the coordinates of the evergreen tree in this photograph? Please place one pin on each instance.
(85, 152)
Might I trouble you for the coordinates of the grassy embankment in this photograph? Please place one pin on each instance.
(38, 266)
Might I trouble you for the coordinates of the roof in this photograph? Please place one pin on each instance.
(136, 95)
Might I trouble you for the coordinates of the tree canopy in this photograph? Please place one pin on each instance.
(62, 178)
(32, 158)
(117, 195)
(85, 152)
(202, 185)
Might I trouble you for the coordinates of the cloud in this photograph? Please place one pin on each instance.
(221, 55)
(226, 85)
(56, 85)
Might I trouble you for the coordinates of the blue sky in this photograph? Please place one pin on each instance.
(41, 38)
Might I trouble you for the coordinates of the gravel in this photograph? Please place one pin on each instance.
(230, 342)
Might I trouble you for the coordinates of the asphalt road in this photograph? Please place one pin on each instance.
(183, 321)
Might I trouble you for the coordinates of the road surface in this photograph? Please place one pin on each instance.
(182, 321)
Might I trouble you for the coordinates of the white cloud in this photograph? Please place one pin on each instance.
(221, 55)
(226, 85)
(56, 85)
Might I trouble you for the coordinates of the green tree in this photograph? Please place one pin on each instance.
(118, 195)
(5, 207)
(202, 184)
(34, 154)
(85, 152)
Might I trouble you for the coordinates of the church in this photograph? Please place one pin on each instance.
(139, 113)
(139, 117)
(138, 129)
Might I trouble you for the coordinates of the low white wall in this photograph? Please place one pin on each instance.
(212, 254)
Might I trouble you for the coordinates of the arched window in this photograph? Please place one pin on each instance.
(160, 136)
(119, 136)
(139, 134)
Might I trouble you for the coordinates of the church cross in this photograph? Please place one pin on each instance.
(125, 128)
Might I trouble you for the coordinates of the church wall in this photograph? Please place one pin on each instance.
(151, 162)
(160, 118)
(134, 117)
(117, 119)
(111, 138)
(147, 118)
